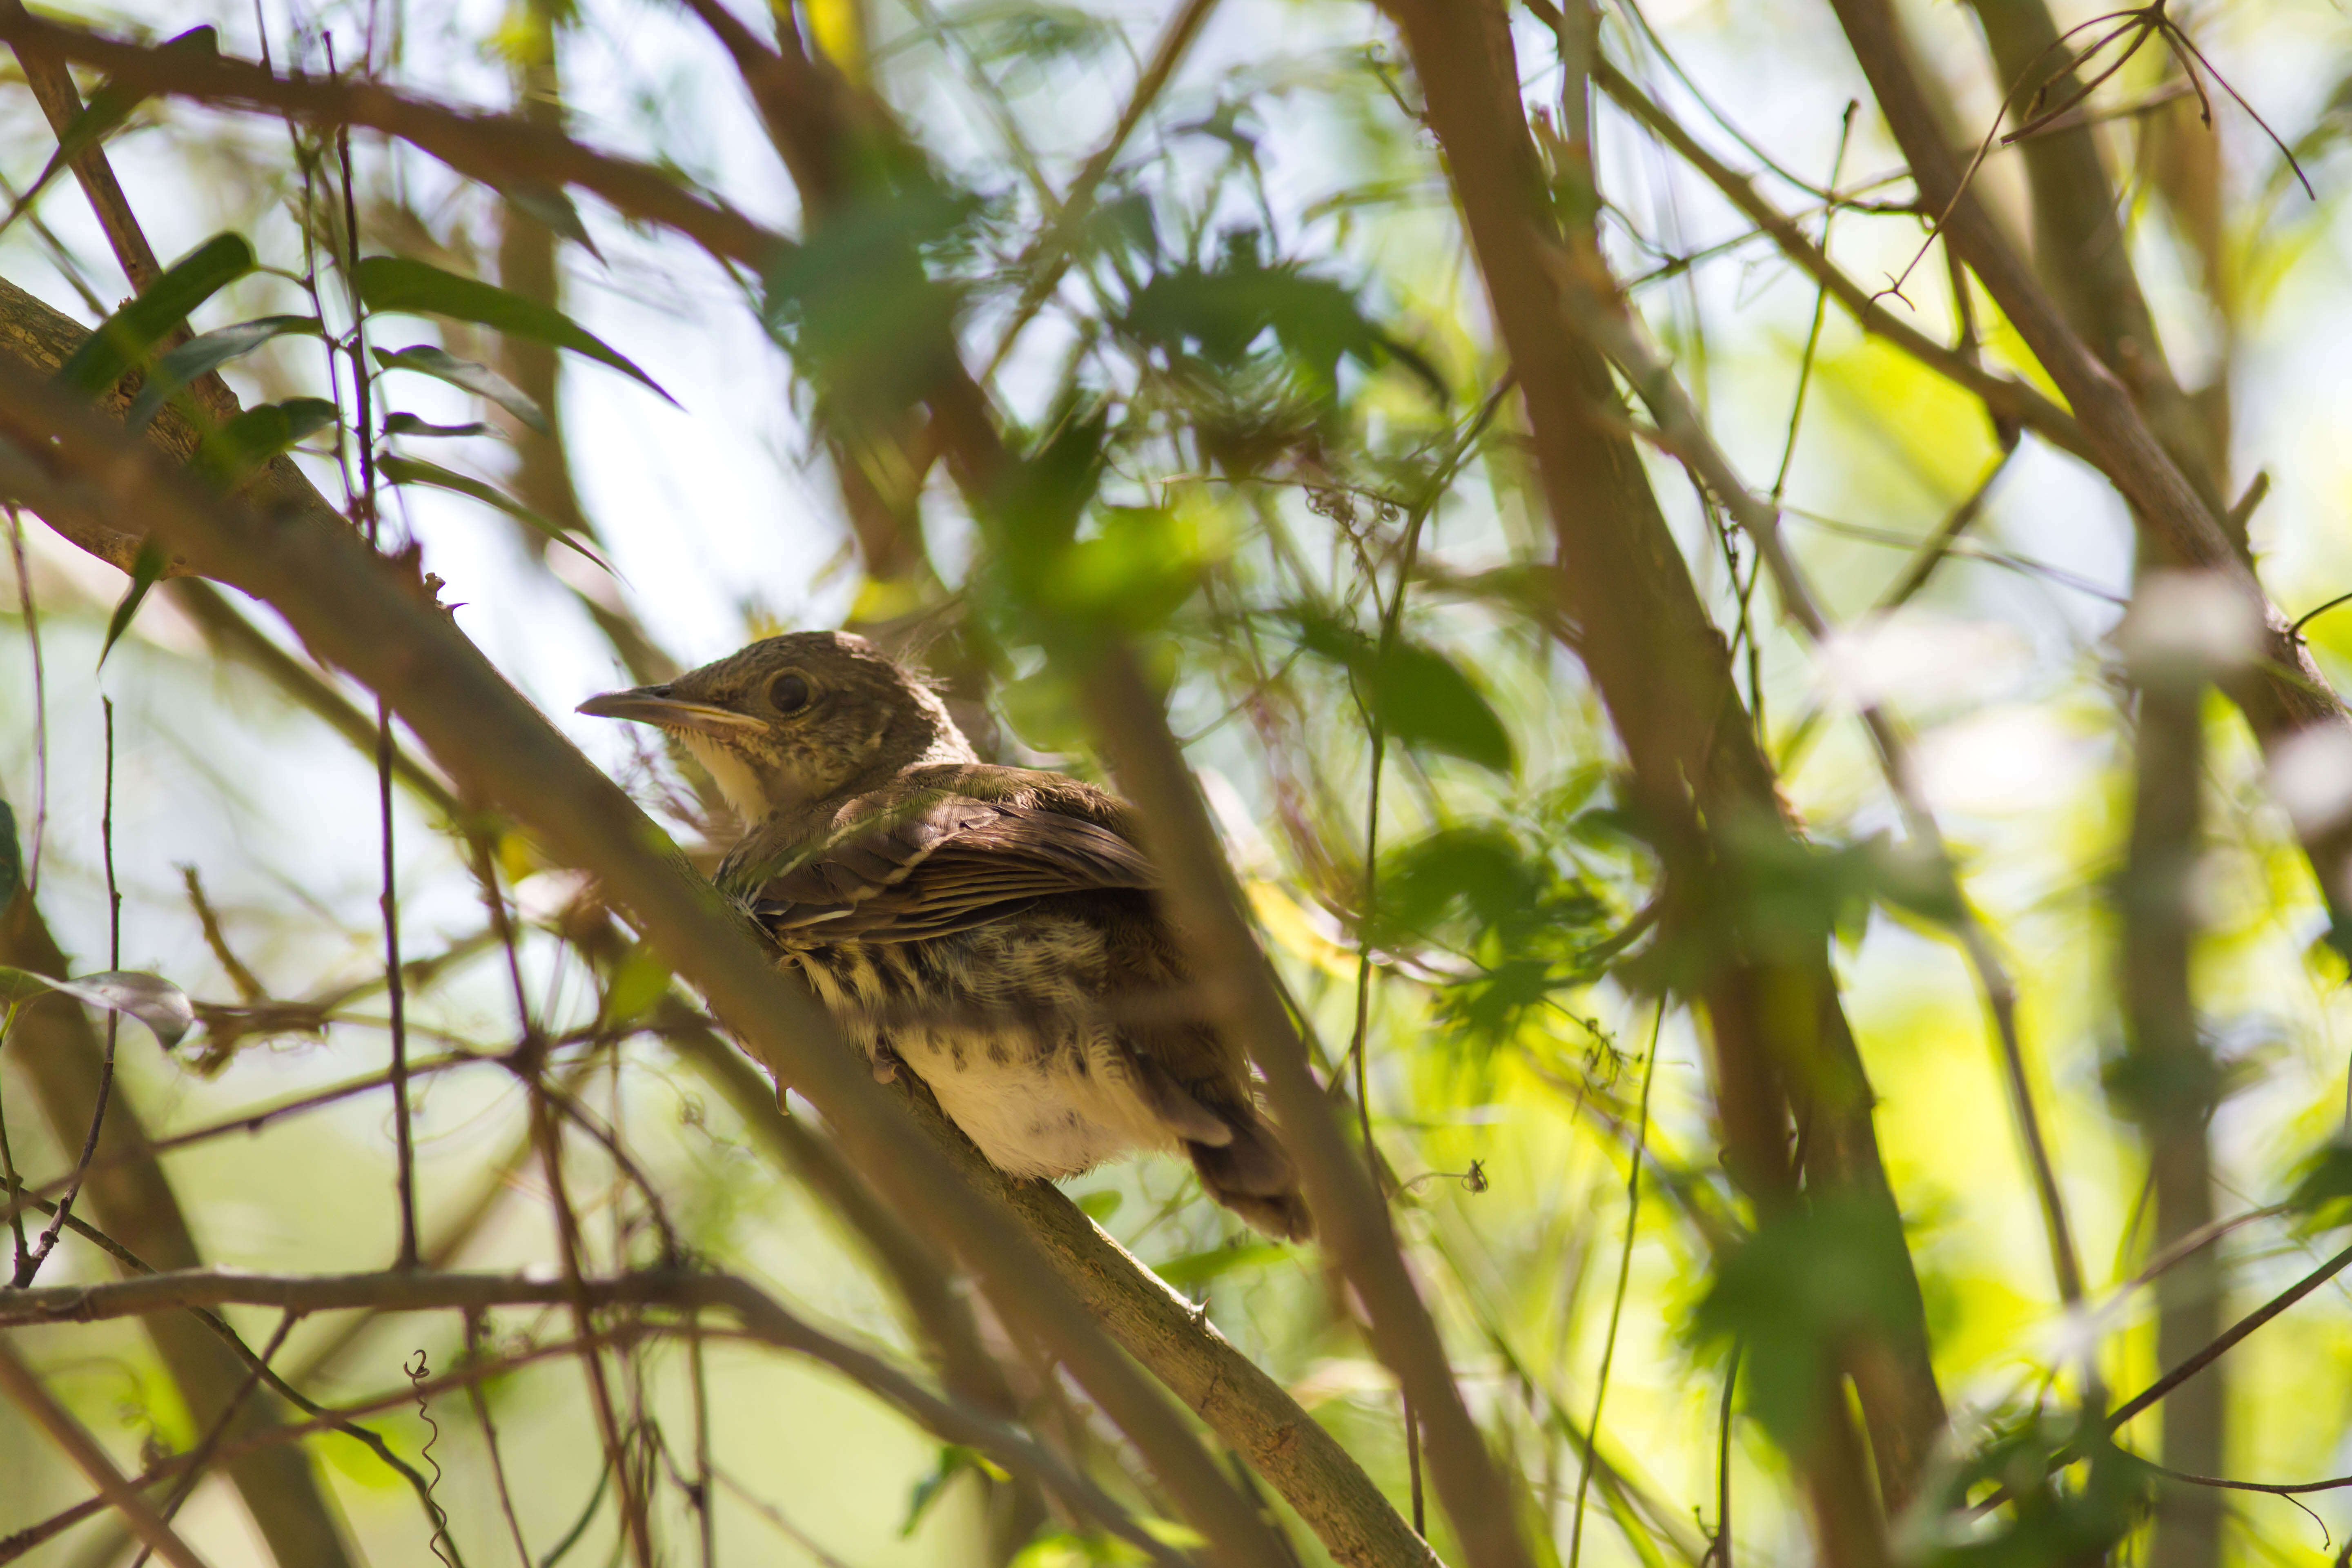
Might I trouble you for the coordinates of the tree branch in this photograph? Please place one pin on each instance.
(496, 149)
(1664, 674)
(2283, 694)
(353, 611)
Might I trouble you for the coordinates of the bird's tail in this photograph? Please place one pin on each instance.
(1252, 1175)
(1240, 1157)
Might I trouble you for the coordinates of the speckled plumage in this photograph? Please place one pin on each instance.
(993, 930)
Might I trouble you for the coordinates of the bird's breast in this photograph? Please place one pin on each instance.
(1004, 1023)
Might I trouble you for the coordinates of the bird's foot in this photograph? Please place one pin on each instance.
(887, 1064)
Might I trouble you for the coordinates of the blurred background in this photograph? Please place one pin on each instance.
(1292, 482)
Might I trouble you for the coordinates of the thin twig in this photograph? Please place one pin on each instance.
(17, 1381)
(1681, 432)
(29, 1264)
(481, 1403)
(1813, 332)
(202, 1453)
(40, 701)
(1624, 1273)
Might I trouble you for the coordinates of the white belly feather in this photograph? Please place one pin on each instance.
(1050, 1100)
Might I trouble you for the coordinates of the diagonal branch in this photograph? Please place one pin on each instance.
(350, 608)
(17, 1381)
(2284, 695)
(1697, 771)
(2006, 396)
(498, 148)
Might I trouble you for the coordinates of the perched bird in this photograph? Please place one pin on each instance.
(992, 930)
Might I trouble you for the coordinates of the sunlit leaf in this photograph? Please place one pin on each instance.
(639, 982)
(480, 379)
(856, 303)
(1422, 698)
(402, 471)
(401, 285)
(1804, 1284)
(125, 339)
(1100, 1206)
(1199, 1268)
(206, 353)
(154, 1000)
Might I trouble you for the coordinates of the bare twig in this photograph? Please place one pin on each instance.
(29, 1264)
(1624, 1273)
(760, 1316)
(496, 149)
(17, 1381)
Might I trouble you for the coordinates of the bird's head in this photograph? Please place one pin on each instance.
(792, 720)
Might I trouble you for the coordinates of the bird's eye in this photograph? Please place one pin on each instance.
(788, 693)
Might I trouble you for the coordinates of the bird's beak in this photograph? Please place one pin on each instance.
(655, 705)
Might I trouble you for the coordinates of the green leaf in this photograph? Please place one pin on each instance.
(410, 425)
(1805, 1284)
(639, 981)
(1097, 1206)
(951, 1463)
(1200, 1268)
(1224, 311)
(12, 857)
(144, 569)
(154, 1000)
(258, 434)
(400, 285)
(1421, 698)
(203, 353)
(856, 303)
(478, 379)
(401, 470)
(124, 340)
(552, 207)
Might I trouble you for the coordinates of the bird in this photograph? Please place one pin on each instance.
(996, 931)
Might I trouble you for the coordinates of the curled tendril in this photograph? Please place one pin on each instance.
(417, 1370)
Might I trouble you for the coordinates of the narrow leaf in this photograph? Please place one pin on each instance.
(416, 471)
(204, 353)
(144, 570)
(400, 285)
(410, 425)
(154, 1000)
(125, 339)
(258, 434)
(550, 206)
(12, 857)
(478, 379)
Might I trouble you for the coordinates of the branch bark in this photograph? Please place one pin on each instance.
(355, 611)
(2168, 1086)
(496, 149)
(2283, 695)
(1663, 673)
(415, 1289)
(1253, 1413)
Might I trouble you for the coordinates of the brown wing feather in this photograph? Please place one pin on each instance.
(925, 868)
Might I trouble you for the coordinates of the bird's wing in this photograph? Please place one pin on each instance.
(929, 866)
